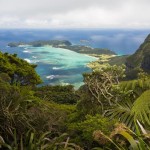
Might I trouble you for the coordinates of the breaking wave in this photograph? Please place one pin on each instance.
(28, 60)
(56, 68)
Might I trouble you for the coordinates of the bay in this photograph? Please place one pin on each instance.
(56, 66)
(59, 66)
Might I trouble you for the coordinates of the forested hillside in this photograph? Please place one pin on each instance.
(107, 112)
(140, 59)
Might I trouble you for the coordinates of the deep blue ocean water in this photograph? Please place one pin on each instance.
(57, 66)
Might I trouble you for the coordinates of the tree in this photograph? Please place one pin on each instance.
(82, 131)
(20, 71)
(102, 81)
(59, 94)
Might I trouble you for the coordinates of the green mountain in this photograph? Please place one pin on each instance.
(140, 59)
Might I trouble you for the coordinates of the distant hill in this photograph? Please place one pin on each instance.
(66, 45)
(42, 43)
(140, 59)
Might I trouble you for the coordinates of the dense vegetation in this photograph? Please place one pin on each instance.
(18, 70)
(107, 112)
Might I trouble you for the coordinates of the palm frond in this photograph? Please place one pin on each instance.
(141, 108)
(122, 111)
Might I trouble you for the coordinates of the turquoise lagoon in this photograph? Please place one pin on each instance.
(57, 65)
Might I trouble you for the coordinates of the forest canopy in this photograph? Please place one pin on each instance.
(18, 70)
(107, 112)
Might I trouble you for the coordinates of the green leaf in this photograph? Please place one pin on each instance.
(131, 140)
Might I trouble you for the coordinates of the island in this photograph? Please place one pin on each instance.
(66, 45)
(105, 56)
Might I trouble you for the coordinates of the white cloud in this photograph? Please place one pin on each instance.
(35, 23)
(74, 14)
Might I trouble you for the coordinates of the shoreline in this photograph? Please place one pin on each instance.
(100, 59)
(50, 46)
(97, 56)
(101, 62)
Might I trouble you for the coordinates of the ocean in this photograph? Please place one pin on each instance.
(60, 66)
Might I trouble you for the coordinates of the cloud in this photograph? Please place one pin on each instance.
(74, 14)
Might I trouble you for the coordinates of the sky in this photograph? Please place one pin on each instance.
(75, 14)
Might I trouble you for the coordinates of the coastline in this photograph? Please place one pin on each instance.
(101, 61)
(89, 55)
(91, 64)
